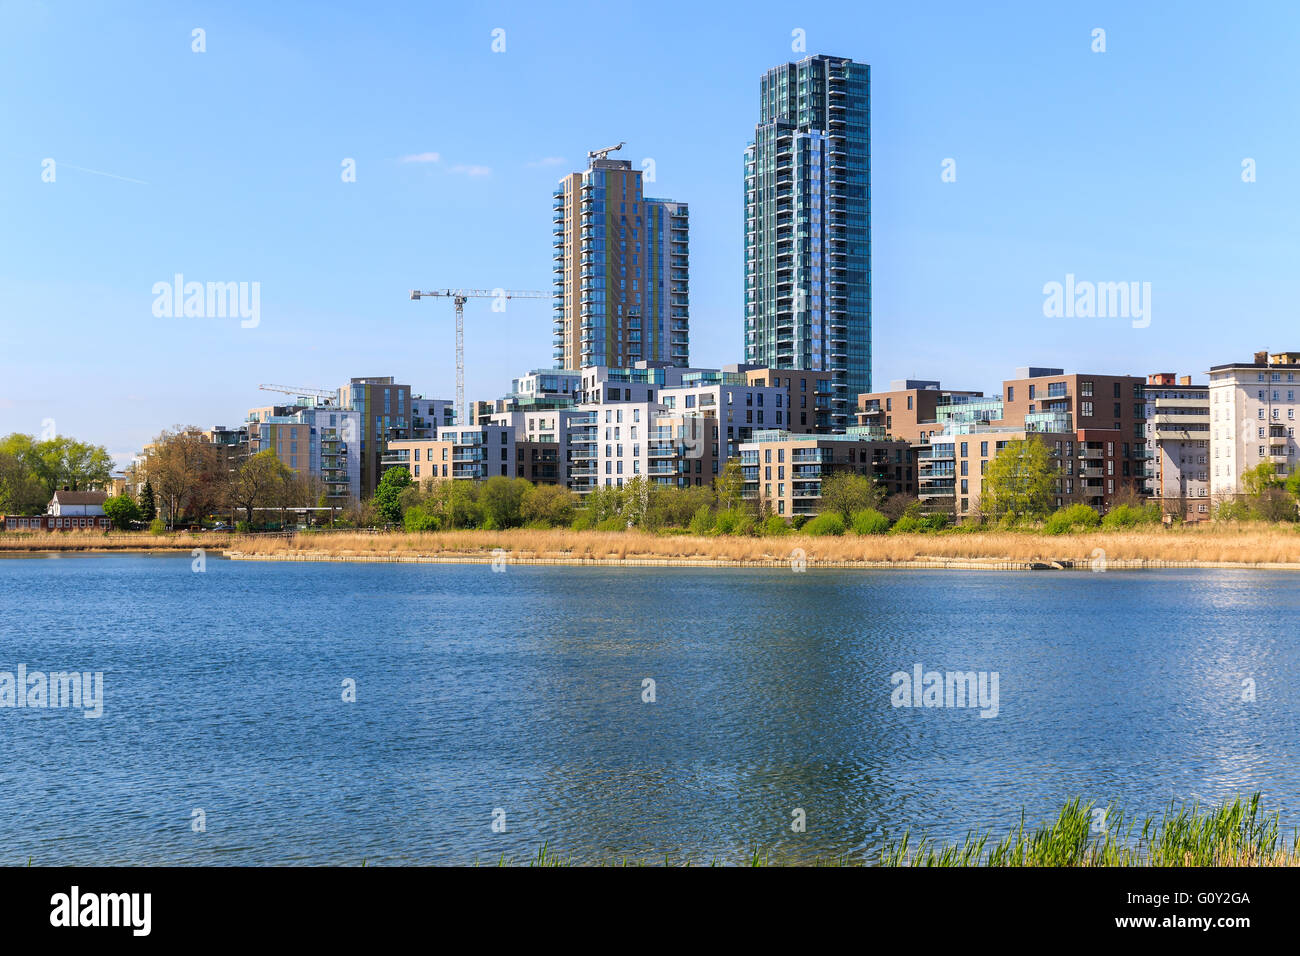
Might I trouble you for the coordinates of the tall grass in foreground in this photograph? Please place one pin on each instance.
(1234, 833)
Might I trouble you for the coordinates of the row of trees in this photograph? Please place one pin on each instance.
(500, 503)
(31, 470)
(189, 478)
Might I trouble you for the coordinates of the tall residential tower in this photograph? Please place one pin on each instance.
(621, 264)
(808, 226)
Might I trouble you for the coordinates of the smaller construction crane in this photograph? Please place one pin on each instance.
(602, 153)
(458, 296)
(326, 396)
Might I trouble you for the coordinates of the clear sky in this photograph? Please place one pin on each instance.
(226, 165)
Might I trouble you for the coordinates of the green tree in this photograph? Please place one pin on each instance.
(500, 499)
(1267, 494)
(60, 461)
(604, 502)
(1019, 481)
(122, 510)
(148, 504)
(21, 492)
(846, 494)
(387, 497)
(548, 504)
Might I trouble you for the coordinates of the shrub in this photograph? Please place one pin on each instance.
(582, 521)
(1127, 516)
(157, 526)
(545, 506)
(937, 521)
(775, 525)
(702, 522)
(122, 510)
(1068, 519)
(612, 523)
(798, 521)
(417, 519)
(823, 524)
(869, 521)
(734, 521)
(1231, 511)
(908, 524)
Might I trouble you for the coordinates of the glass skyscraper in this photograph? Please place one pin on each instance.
(808, 226)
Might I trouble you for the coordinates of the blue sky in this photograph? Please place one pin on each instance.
(1116, 166)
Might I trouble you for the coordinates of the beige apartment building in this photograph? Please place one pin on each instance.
(784, 471)
(809, 392)
(621, 264)
(1178, 443)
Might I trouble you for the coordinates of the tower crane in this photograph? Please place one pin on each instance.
(602, 153)
(459, 296)
(327, 396)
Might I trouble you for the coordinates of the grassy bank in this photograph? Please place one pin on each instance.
(1236, 833)
(1249, 544)
(18, 541)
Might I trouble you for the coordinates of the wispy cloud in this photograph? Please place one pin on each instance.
(472, 170)
(420, 158)
(548, 161)
(100, 172)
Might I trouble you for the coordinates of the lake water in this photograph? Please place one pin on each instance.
(522, 691)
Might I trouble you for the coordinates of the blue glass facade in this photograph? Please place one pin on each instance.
(808, 226)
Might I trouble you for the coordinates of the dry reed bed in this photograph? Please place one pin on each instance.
(116, 541)
(1247, 544)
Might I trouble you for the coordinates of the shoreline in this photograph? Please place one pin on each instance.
(921, 564)
(1223, 547)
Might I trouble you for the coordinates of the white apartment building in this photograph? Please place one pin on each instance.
(1252, 418)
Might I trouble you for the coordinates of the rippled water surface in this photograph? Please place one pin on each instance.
(523, 691)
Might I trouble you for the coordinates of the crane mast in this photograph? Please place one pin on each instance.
(458, 298)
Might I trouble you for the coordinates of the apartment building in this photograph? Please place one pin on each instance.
(537, 389)
(953, 466)
(739, 405)
(427, 459)
(385, 414)
(1178, 445)
(1094, 427)
(1252, 418)
(430, 414)
(810, 394)
(231, 445)
(808, 225)
(784, 471)
(1107, 410)
(909, 410)
(312, 439)
(621, 264)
